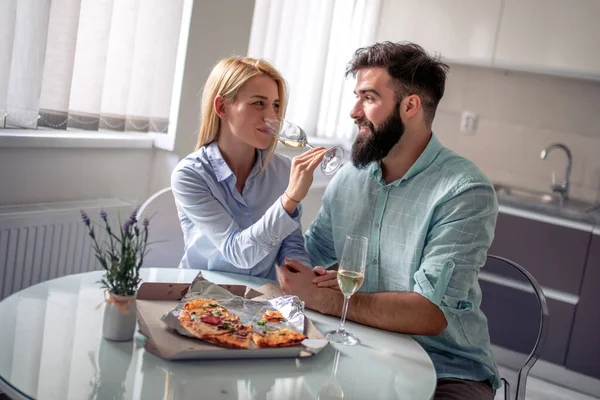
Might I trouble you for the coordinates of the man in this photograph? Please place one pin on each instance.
(429, 215)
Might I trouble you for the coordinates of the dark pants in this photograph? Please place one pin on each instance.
(462, 389)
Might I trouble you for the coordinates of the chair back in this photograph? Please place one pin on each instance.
(499, 264)
(165, 232)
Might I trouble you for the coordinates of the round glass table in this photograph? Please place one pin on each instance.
(51, 347)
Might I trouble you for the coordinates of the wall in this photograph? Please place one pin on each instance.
(520, 114)
(219, 29)
(41, 175)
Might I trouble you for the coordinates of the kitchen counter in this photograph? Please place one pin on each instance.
(551, 213)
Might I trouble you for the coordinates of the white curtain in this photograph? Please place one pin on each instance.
(310, 42)
(88, 64)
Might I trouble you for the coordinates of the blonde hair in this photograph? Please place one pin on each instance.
(226, 78)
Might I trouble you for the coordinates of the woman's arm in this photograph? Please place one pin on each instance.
(244, 248)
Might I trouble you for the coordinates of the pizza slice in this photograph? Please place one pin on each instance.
(273, 316)
(201, 327)
(280, 338)
(210, 307)
(238, 338)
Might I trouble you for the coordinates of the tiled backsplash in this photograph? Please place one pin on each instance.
(520, 114)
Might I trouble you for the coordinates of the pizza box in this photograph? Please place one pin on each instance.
(155, 299)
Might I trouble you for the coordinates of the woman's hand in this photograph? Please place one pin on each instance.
(301, 177)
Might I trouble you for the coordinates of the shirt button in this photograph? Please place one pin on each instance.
(376, 224)
(374, 261)
(385, 189)
(450, 264)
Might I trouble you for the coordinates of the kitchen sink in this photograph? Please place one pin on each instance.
(527, 194)
(541, 200)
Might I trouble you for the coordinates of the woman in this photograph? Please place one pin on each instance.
(238, 201)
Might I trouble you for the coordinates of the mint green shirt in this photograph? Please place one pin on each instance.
(429, 233)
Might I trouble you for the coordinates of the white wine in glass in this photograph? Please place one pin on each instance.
(349, 281)
(350, 276)
(293, 136)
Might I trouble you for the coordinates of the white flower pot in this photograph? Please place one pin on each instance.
(119, 318)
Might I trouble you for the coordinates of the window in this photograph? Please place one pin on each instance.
(88, 64)
(310, 42)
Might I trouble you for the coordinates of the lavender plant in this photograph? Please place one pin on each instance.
(122, 254)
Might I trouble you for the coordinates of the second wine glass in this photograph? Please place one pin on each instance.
(350, 276)
(291, 135)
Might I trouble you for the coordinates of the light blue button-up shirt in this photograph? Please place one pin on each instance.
(429, 233)
(225, 230)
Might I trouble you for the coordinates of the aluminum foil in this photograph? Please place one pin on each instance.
(249, 311)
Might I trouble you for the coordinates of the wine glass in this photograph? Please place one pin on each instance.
(293, 136)
(350, 276)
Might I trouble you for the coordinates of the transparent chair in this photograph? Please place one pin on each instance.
(500, 265)
(165, 230)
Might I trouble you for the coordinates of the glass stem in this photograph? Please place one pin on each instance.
(344, 312)
(310, 146)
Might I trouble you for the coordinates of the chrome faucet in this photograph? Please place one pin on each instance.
(562, 188)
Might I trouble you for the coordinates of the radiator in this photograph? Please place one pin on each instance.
(45, 241)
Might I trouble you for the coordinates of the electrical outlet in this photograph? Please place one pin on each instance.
(468, 122)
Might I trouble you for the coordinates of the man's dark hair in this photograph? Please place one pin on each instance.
(410, 66)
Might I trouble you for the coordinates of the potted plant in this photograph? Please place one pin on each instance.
(121, 256)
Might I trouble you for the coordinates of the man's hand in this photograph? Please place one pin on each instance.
(297, 279)
(325, 278)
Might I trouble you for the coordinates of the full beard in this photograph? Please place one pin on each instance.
(374, 146)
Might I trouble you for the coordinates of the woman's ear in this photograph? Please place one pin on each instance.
(219, 106)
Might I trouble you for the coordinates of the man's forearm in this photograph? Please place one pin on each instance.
(403, 312)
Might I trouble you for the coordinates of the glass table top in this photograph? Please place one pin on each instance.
(51, 348)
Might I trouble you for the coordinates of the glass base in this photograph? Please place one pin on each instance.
(342, 337)
(332, 160)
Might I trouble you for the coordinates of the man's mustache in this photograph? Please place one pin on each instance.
(362, 122)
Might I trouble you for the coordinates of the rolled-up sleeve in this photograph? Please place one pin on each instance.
(244, 248)
(456, 247)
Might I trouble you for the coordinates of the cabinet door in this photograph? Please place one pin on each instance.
(584, 348)
(555, 255)
(514, 319)
(460, 30)
(554, 36)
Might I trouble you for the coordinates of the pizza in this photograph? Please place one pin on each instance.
(213, 323)
(279, 338)
(273, 316)
(208, 320)
(210, 307)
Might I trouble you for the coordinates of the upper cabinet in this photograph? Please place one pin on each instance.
(554, 36)
(462, 31)
(560, 37)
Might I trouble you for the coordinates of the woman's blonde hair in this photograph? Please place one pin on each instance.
(226, 79)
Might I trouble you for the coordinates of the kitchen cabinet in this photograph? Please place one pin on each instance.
(514, 319)
(555, 255)
(554, 36)
(584, 348)
(558, 37)
(461, 30)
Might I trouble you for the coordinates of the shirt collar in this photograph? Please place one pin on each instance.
(220, 167)
(425, 159)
